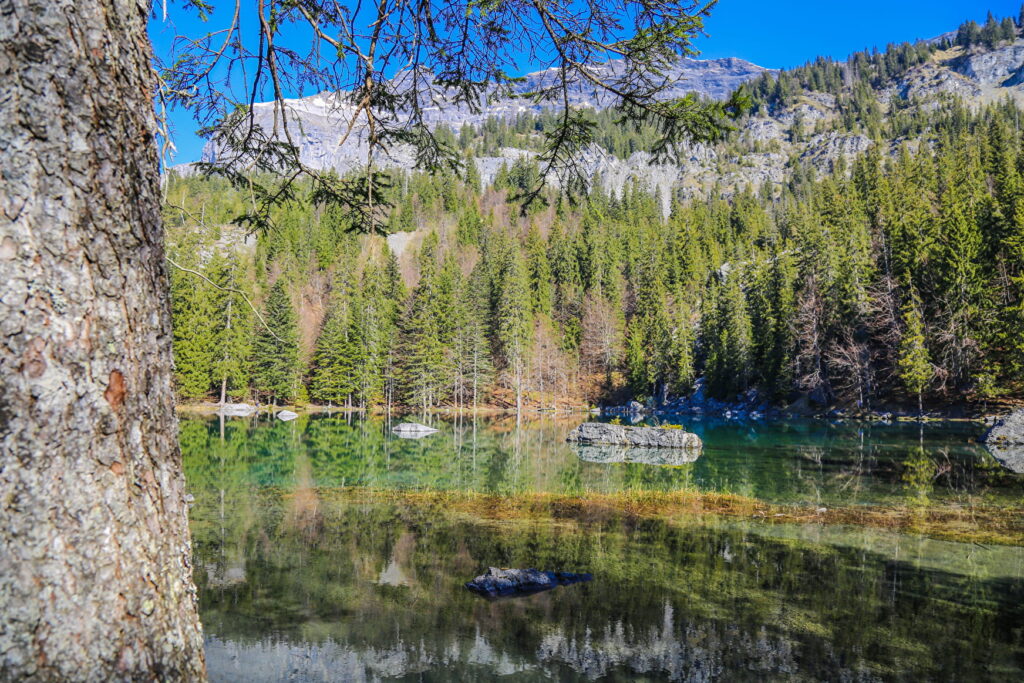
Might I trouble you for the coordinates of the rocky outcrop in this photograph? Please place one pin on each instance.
(998, 67)
(929, 80)
(823, 150)
(317, 120)
(749, 405)
(1005, 440)
(645, 437)
(603, 454)
(765, 157)
(496, 582)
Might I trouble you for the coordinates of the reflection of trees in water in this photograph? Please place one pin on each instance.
(375, 590)
(780, 462)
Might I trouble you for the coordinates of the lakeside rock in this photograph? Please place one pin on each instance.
(1005, 440)
(622, 435)
(672, 457)
(496, 582)
(236, 409)
(631, 409)
(412, 430)
(286, 415)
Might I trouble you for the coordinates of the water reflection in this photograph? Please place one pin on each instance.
(603, 453)
(298, 584)
(807, 463)
(375, 592)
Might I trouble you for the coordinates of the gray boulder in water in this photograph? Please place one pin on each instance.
(412, 430)
(235, 409)
(496, 582)
(645, 437)
(1005, 440)
(603, 453)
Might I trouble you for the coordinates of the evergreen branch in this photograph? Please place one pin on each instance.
(229, 290)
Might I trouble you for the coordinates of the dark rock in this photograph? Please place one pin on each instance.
(512, 582)
(646, 437)
(633, 409)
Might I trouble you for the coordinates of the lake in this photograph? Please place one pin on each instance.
(301, 580)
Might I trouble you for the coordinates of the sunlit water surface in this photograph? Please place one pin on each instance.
(298, 585)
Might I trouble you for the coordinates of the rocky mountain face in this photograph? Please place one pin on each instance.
(319, 123)
(768, 144)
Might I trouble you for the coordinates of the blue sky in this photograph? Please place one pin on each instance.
(778, 35)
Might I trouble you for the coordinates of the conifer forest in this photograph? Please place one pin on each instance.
(895, 276)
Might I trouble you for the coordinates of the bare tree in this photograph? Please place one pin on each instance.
(811, 369)
(602, 336)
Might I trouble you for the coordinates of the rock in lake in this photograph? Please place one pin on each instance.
(603, 453)
(235, 409)
(497, 583)
(1005, 440)
(286, 415)
(412, 430)
(646, 437)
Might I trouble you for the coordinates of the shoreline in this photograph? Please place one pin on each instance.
(210, 409)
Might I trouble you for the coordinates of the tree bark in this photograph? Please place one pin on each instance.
(95, 567)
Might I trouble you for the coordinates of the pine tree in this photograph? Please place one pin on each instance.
(650, 327)
(192, 309)
(471, 348)
(914, 365)
(333, 369)
(425, 359)
(540, 271)
(373, 319)
(958, 268)
(233, 331)
(514, 324)
(728, 340)
(394, 296)
(276, 350)
(637, 369)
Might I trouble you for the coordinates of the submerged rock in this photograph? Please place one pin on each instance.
(286, 415)
(510, 582)
(604, 453)
(412, 430)
(621, 435)
(1005, 440)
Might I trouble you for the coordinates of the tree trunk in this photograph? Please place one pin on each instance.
(224, 358)
(95, 571)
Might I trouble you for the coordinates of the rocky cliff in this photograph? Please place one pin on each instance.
(769, 145)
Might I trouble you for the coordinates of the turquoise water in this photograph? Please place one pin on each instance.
(297, 584)
(809, 462)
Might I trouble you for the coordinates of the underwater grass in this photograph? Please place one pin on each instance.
(966, 523)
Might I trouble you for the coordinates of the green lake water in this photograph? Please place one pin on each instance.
(295, 584)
